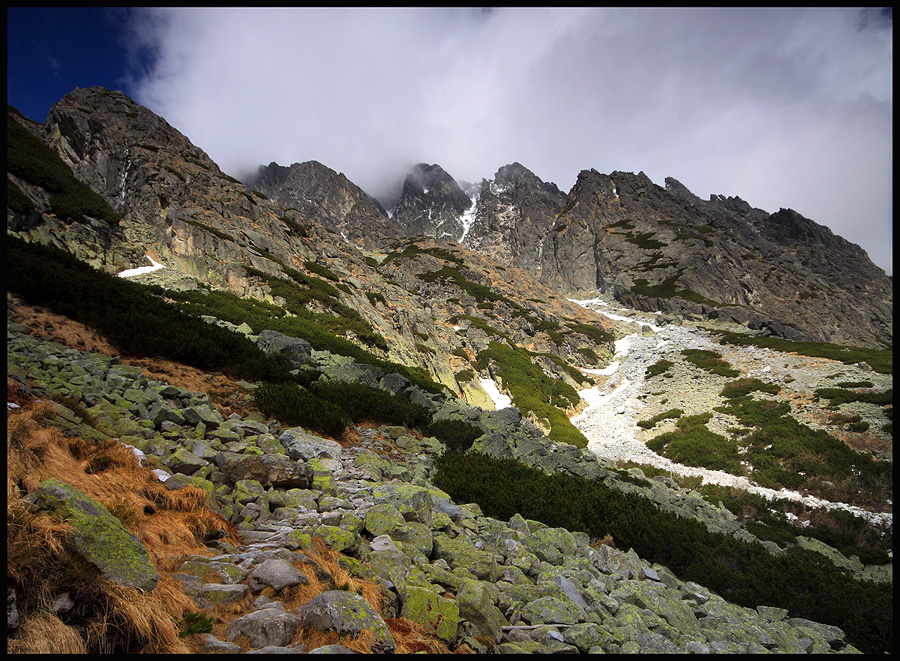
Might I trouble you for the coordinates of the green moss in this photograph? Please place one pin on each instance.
(534, 392)
(881, 360)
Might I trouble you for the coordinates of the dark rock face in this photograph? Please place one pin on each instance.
(515, 211)
(432, 204)
(665, 249)
(319, 192)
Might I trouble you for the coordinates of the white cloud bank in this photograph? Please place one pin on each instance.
(782, 107)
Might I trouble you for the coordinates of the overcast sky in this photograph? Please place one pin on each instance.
(782, 107)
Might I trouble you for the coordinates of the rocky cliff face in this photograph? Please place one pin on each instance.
(432, 204)
(515, 211)
(319, 192)
(665, 249)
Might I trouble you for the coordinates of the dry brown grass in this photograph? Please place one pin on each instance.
(60, 329)
(107, 617)
(44, 633)
(225, 393)
(110, 618)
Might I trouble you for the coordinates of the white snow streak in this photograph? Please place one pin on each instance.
(500, 400)
(143, 269)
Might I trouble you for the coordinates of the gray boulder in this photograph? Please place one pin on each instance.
(276, 573)
(347, 614)
(270, 470)
(99, 536)
(264, 627)
(297, 351)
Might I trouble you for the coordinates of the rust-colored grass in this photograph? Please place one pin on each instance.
(108, 617)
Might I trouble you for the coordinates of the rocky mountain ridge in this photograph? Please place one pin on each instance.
(662, 249)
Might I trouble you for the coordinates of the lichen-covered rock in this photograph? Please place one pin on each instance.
(553, 610)
(415, 503)
(99, 536)
(432, 611)
(384, 519)
(476, 605)
(347, 614)
(463, 554)
(264, 627)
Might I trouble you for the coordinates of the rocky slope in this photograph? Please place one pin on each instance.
(432, 204)
(319, 192)
(476, 582)
(472, 320)
(665, 249)
(209, 230)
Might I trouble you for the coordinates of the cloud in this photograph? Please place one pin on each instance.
(782, 107)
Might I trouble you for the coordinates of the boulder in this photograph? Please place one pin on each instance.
(297, 351)
(347, 614)
(99, 536)
(385, 519)
(302, 446)
(270, 470)
(276, 573)
(476, 605)
(264, 627)
(434, 612)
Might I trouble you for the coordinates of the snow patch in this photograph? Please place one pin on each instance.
(468, 219)
(143, 269)
(500, 400)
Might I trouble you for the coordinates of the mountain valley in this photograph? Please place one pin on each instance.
(724, 366)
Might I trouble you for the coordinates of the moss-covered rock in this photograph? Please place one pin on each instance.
(476, 605)
(432, 611)
(347, 614)
(385, 519)
(99, 536)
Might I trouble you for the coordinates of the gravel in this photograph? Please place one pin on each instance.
(627, 396)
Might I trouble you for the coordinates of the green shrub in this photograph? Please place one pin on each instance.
(360, 402)
(651, 423)
(291, 404)
(31, 160)
(534, 392)
(321, 269)
(710, 361)
(464, 375)
(743, 387)
(128, 315)
(881, 360)
(838, 396)
(16, 200)
(803, 582)
(659, 367)
(194, 623)
(458, 435)
(785, 453)
(597, 335)
(695, 445)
